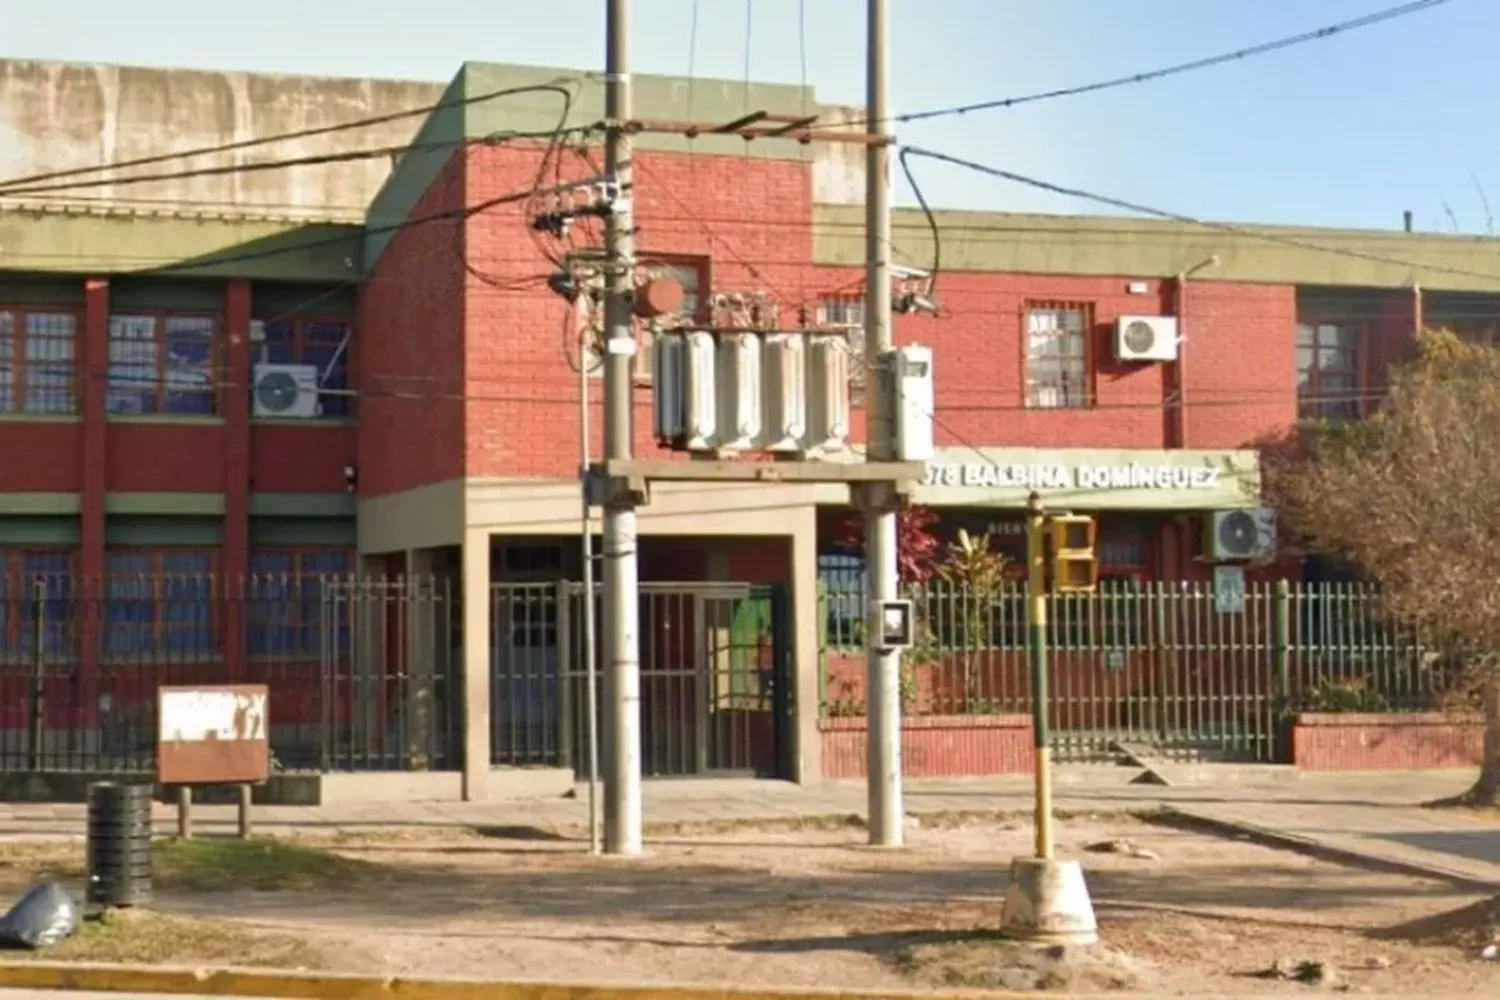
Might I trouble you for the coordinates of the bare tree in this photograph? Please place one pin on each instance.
(1411, 497)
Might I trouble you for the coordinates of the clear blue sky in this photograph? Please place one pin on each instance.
(1346, 132)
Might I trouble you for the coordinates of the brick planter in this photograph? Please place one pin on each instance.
(1387, 742)
(935, 746)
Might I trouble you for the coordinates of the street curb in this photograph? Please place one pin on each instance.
(1373, 860)
(332, 986)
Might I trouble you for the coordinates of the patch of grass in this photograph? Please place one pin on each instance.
(142, 936)
(205, 864)
(214, 864)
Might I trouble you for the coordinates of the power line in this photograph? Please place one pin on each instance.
(1223, 227)
(1264, 48)
(323, 159)
(229, 147)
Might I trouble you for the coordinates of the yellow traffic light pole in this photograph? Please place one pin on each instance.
(1036, 608)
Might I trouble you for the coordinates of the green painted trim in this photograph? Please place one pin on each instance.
(320, 531)
(179, 419)
(156, 530)
(145, 293)
(1144, 248)
(41, 504)
(40, 418)
(440, 135)
(169, 505)
(46, 530)
(126, 242)
(658, 97)
(323, 422)
(303, 505)
(40, 290)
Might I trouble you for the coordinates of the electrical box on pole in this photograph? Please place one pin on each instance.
(914, 400)
(1075, 566)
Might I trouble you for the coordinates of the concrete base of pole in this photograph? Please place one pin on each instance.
(1048, 902)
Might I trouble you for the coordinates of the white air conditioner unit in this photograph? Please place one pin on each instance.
(1236, 535)
(288, 391)
(784, 376)
(1146, 338)
(827, 395)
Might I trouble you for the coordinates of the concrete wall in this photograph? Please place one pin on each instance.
(60, 116)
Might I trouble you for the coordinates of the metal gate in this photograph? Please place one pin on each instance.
(714, 667)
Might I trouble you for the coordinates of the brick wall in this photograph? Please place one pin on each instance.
(411, 350)
(1355, 742)
(749, 216)
(935, 746)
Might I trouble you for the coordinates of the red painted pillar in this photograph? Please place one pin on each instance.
(235, 557)
(93, 369)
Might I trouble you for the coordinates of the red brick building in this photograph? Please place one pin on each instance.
(135, 318)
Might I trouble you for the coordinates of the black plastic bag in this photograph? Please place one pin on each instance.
(40, 919)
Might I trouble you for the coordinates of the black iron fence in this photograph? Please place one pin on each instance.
(714, 677)
(361, 670)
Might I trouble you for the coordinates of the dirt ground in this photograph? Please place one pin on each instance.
(815, 907)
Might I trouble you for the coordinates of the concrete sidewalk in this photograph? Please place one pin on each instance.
(1208, 790)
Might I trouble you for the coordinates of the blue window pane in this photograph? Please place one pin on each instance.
(189, 367)
(269, 619)
(130, 605)
(160, 607)
(280, 344)
(134, 378)
(327, 346)
(46, 577)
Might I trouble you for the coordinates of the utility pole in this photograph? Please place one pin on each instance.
(622, 792)
(1036, 637)
(883, 665)
(586, 543)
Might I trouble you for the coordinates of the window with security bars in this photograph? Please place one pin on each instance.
(323, 343)
(298, 602)
(160, 604)
(162, 365)
(847, 313)
(36, 584)
(1058, 374)
(38, 351)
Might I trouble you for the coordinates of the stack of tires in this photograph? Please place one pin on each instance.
(119, 844)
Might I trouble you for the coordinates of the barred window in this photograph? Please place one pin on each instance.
(1057, 357)
(37, 356)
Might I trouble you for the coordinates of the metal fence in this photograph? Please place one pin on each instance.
(714, 663)
(1176, 667)
(360, 669)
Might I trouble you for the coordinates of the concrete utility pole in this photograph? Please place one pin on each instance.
(883, 666)
(622, 794)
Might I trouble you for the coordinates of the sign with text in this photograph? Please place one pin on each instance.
(1092, 479)
(213, 734)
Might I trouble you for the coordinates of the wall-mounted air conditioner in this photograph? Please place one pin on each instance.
(1146, 338)
(1236, 535)
(286, 391)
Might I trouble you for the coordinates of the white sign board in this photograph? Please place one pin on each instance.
(201, 716)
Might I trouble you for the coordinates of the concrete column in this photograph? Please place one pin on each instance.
(476, 666)
(422, 654)
(93, 369)
(235, 400)
(803, 598)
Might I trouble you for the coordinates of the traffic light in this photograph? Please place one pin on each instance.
(1074, 568)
